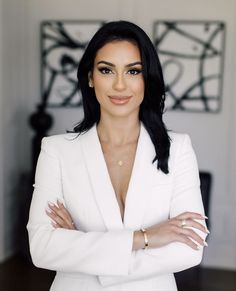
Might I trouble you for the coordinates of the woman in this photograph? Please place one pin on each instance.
(122, 195)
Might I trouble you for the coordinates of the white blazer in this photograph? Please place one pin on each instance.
(99, 256)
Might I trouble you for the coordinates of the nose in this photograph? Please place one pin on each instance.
(119, 83)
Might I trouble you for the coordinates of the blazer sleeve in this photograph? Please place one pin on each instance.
(176, 256)
(97, 253)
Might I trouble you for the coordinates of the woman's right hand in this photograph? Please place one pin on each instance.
(176, 229)
(60, 216)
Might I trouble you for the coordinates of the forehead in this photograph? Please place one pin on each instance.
(122, 51)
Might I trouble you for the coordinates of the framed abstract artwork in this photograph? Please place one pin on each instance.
(192, 57)
(62, 46)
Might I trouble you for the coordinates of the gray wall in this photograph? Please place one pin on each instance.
(1, 144)
(12, 116)
(213, 135)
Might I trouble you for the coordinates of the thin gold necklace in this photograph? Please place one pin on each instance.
(120, 163)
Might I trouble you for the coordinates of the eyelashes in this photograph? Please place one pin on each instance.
(106, 70)
(135, 71)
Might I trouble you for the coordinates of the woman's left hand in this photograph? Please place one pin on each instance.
(60, 216)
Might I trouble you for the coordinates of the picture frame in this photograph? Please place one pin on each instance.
(63, 43)
(192, 58)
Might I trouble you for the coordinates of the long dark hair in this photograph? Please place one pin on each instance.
(151, 109)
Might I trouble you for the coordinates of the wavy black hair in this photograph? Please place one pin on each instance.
(151, 109)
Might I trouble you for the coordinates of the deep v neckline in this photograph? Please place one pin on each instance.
(131, 175)
(144, 176)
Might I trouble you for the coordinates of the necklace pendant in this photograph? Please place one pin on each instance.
(120, 163)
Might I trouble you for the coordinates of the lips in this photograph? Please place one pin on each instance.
(120, 99)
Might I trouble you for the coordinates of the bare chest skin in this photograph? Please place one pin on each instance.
(120, 174)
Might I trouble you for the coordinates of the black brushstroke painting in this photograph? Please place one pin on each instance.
(192, 56)
(62, 46)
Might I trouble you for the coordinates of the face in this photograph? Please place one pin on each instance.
(117, 79)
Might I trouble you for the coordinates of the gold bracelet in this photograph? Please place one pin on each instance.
(144, 232)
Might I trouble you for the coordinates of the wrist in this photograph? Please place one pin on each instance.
(138, 242)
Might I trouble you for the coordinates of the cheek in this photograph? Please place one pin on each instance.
(138, 88)
(101, 84)
(101, 87)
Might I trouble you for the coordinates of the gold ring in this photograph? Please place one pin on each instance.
(183, 223)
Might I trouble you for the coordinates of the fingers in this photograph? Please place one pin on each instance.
(191, 215)
(192, 235)
(64, 213)
(197, 225)
(187, 236)
(186, 240)
(60, 210)
(60, 216)
(189, 223)
(57, 221)
(187, 219)
(184, 233)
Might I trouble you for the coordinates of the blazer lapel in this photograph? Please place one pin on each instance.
(100, 180)
(144, 176)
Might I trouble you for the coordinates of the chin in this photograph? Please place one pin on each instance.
(124, 113)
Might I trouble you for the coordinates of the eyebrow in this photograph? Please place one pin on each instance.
(112, 65)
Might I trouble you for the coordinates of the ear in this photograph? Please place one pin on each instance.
(90, 80)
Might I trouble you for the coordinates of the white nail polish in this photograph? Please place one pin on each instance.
(53, 223)
(205, 244)
(48, 210)
(50, 203)
(207, 230)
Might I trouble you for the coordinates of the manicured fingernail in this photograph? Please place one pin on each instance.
(205, 244)
(53, 224)
(50, 203)
(198, 248)
(48, 210)
(204, 216)
(59, 201)
(207, 230)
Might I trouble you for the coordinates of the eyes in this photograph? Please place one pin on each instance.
(107, 70)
